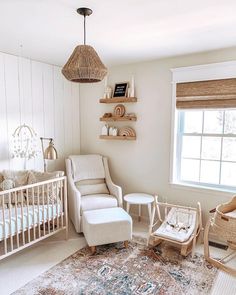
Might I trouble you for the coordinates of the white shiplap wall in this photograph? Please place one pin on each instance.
(37, 94)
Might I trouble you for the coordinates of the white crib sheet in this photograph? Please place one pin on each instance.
(27, 220)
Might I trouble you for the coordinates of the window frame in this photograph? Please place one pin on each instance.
(179, 143)
(201, 72)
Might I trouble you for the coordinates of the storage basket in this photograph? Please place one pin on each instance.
(224, 221)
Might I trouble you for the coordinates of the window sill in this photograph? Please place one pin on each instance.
(202, 189)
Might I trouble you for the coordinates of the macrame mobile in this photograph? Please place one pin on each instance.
(24, 143)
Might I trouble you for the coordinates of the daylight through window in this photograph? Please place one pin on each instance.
(206, 147)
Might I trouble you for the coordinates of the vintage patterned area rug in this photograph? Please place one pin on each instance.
(119, 271)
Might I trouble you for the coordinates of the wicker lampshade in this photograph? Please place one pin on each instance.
(84, 66)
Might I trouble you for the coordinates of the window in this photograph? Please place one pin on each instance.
(206, 147)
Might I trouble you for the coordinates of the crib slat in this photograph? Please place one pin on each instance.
(48, 208)
(22, 218)
(65, 208)
(28, 215)
(33, 215)
(43, 196)
(4, 224)
(53, 217)
(16, 216)
(39, 233)
(10, 221)
(62, 204)
(57, 197)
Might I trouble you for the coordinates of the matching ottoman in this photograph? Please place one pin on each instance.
(105, 226)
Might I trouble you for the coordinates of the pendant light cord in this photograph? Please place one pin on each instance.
(84, 29)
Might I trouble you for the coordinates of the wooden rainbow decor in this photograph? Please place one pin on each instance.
(119, 110)
(127, 131)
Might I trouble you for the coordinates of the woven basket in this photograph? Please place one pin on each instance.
(224, 225)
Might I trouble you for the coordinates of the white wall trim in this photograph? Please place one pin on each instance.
(212, 71)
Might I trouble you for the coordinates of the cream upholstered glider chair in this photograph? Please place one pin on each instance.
(90, 186)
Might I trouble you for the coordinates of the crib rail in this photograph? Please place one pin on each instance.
(31, 213)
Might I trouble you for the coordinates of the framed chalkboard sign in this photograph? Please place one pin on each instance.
(120, 89)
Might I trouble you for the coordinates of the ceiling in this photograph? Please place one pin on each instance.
(121, 31)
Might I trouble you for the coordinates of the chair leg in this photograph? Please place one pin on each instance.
(93, 249)
(139, 212)
(153, 242)
(184, 250)
(150, 213)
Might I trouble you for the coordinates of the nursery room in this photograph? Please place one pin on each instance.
(117, 147)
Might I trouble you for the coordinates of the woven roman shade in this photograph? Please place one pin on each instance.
(206, 94)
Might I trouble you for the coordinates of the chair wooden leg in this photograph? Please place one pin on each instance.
(93, 249)
(184, 250)
(126, 244)
(155, 242)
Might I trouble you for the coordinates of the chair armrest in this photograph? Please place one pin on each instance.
(114, 189)
(73, 189)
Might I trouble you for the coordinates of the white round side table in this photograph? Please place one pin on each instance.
(139, 199)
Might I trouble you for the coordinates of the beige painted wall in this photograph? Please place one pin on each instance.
(143, 165)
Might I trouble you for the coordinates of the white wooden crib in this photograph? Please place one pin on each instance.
(31, 213)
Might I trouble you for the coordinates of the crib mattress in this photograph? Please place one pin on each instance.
(25, 220)
(187, 217)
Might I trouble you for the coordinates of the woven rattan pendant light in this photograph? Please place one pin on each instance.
(84, 65)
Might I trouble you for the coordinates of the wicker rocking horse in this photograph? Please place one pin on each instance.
(223, 224)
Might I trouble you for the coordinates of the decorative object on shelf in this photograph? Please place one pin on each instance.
(84, 65)
(110, 132)
(131, 115)
(105, 130)
(129, 92)
(107, 90)
(127, 131)
(24, 143)
(50, 153)
(132, 87)
(114, 131)
(119, 110)
(107, 93)
(120, 89)
(107, 115)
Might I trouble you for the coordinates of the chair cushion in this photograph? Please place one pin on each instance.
(90, 181)
(99, 201)
(92, 186)
(185, 217)
(87, 167)
(93, 189)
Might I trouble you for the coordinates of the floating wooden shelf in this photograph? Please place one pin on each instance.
(114, 119)
(109, 137)
(118, 99)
